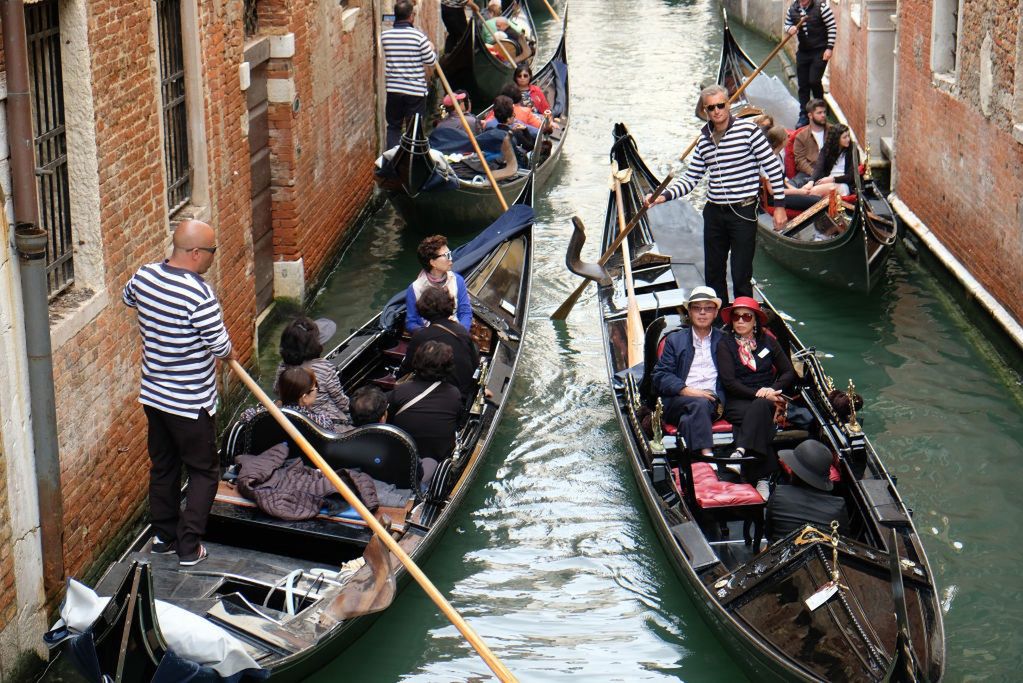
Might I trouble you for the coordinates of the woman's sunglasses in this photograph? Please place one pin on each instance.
(744, 317)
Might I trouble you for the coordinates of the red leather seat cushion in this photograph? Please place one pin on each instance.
(849, 198)
(790, 153)
(712, 493)
(719, 427)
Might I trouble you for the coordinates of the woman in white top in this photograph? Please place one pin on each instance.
(835, 163)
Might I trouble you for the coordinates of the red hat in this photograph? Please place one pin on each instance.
(460, 94)
(744, 302)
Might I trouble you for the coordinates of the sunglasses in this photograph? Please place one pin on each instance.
(702, 309)
(208, 250)
(744, 317)
(446, 254)
(719, 105)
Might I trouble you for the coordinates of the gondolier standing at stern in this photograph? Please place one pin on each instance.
(409, 60)
(182, 335)
(816, 41)
(733, 152)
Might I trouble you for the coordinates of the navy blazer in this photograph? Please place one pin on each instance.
(673, 366)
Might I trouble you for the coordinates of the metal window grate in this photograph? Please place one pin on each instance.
(42, 28)
(251, 18)
(175, 114)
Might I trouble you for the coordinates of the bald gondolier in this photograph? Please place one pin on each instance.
(409, 60)
(816, 42)
(182, 336)
(732, 152)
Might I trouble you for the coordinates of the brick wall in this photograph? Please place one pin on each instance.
(956, 167)
(847, 72)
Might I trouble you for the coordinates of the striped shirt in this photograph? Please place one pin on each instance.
(734, 165)
(454, 3)
(407, 51)
(818, 31)
(182, 330)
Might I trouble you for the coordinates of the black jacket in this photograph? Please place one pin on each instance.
(774, 369)
(818, 31)
(432, 421)
(466, 355)
(792, 507)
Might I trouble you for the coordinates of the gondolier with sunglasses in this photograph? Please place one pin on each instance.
(183, 334)
(733, 153)
(816, 42)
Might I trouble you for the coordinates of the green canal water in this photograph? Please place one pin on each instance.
(551, 557)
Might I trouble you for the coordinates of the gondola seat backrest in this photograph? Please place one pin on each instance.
(790, 153)
(382, 451)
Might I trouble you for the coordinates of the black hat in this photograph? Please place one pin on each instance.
(811, 461)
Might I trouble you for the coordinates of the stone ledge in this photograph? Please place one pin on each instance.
(349, 18)
(75, 319)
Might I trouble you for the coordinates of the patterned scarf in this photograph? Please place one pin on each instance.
(746, 349)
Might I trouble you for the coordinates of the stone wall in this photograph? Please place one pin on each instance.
(764, 16)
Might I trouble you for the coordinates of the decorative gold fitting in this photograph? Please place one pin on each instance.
(852, 424)
(656, 443)
(866, 161)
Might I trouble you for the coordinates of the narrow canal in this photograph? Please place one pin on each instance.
(551, 557)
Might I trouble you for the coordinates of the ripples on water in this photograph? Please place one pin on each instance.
(551, 556)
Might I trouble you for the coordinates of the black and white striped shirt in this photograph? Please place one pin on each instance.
(454, 3)
(407, 51)
(182, 330)
(733, 164)
(818, 31)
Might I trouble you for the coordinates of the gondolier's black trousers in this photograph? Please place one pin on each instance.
(810, 66)
(173, 441)
(399, 107)
(455, 24)
(729, 228)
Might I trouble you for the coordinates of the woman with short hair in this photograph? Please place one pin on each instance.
(302, 346)
(435, 257)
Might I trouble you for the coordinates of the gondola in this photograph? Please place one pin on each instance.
(473, 66)
(430, 194)
(262, 584)
(710, 524)
(855, 257)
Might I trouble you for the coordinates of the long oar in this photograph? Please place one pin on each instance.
(551, 10)
(414, 571)
(497, 41)
(568, 304)
(472, 137)
(633, 322)
(742, 88)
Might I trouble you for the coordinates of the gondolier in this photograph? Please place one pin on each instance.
(182, 335)
(452, 13)
(733, 152)
(816, 42)
(408, 68)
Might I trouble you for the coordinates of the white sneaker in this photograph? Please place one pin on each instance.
(735, 468)
(764, 489)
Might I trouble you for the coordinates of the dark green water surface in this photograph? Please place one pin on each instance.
(551, 558)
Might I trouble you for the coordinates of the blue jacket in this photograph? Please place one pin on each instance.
(673, 366)
(463, 308)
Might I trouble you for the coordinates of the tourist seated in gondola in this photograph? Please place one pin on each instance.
(435, 256)
(796, 198)
(531, 95)
(369, 405)
(298, 389)
(427, 406)
(755, 372)
(686, 374)
(806, 498)
(436, 307)
(516, 136)
(524, 117)
(499, 27)
(835, 165)
(808, 141)
(764, 121)
(451, 119)
(302, 345)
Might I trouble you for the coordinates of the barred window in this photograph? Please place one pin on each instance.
(42, 29)
(175, 115)
(251, 18)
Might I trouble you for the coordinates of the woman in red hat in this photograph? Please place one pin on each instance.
(755, 372)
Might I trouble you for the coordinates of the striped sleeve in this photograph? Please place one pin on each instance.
(208, 322)
(769, 164)
(829, 23)
(685, 183)
(791, 17)
(430, 57)
(128, 295)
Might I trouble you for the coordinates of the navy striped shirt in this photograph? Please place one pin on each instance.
(733, 164)
(182, 330)
(407, 51)
(818, 31)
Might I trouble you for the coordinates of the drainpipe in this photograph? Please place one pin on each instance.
(30, 242)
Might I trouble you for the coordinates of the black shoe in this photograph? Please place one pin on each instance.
(163, 547)
(202, 555)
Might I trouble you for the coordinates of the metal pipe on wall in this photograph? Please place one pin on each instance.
(30, 242)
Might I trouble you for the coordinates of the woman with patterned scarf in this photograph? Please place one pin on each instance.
(438, 271)
(754, 372)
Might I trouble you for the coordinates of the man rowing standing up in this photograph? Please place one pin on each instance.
(816, 42)
(182, 335)
(732, 152)
(409, 61)
(686, 374)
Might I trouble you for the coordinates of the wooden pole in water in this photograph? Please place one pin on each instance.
(550, 8)
(472, 137)
(413, 569)
(633, 322)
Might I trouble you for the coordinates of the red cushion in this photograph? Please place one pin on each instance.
(721, 427)
(711, 492)
(849, 198)
(834, 474)
(790, 153)
(669, 429)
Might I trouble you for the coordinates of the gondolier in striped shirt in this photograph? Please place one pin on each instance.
(816, 42)
(182, 335)
(732, 152)
(452, 12)
(408, 69)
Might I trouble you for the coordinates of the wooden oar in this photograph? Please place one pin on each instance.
(550, 9)
(472, 137)
(568, 304)
(413, 569)
(497, 41)
(742, 88)
(633, 322)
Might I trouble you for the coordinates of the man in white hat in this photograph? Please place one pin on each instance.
(686, 374)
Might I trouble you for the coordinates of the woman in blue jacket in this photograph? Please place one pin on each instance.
(435, 257)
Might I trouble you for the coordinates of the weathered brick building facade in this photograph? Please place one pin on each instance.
(260, 117)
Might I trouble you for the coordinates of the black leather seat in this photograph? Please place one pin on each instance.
(382, 451)
(656, 331)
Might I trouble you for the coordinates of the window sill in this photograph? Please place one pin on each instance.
(68, 319)
(945, 82)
